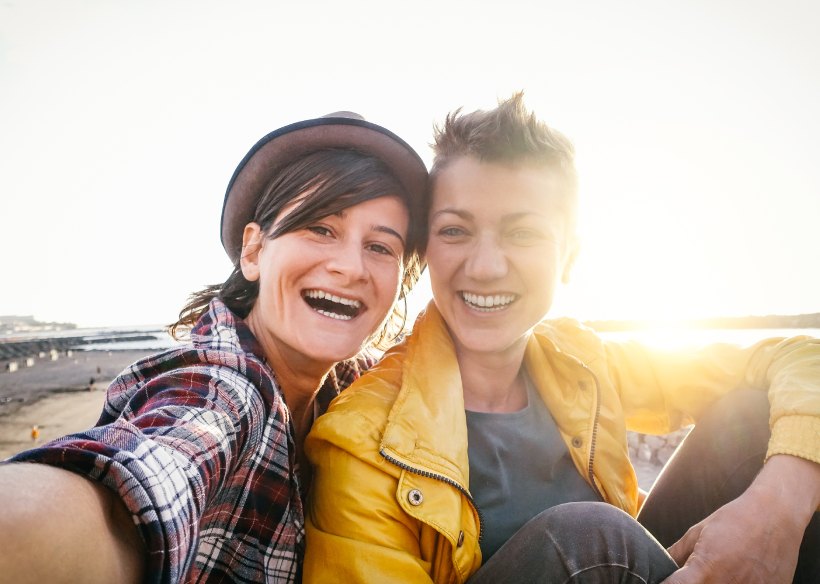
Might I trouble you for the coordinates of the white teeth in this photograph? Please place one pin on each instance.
(488, 303)
(334, 315)
(332, 298)
(320, 294)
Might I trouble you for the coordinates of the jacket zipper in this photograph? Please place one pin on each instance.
(442, 478)
(463, 491)
(594, 439)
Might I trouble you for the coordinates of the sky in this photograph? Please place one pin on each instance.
(695, 122)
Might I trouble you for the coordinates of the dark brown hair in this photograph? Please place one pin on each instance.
(334, 179)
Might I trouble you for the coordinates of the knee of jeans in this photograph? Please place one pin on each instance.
(736, 424)
(583, 516)
(745, 407)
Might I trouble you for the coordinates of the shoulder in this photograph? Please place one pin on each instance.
(358, 416)
(377, 388)
(188, 360)
(193, 378)
(572, 337)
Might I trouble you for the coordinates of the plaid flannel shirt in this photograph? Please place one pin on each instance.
(197, 442)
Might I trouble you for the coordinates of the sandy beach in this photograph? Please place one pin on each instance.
(54, 396)
(54, 416)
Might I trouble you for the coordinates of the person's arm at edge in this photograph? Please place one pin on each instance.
(757, 537)
(57, 526)
(774, 510)
(790, 370)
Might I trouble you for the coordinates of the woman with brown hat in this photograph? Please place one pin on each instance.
(195, 470)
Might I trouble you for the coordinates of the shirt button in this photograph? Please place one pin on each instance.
(577, 442)
(460, 539)
(415, 497)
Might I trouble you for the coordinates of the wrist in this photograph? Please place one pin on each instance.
(791, 484)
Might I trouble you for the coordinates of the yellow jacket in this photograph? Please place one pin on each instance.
(390, 499)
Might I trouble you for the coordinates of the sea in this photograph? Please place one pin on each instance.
(679, 338)
(146, 338)
(156, 338)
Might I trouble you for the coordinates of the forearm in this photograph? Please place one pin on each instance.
(755, 538)
(56, 526)
(793, 483)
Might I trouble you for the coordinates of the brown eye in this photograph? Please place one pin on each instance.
(320, 230)
(381, 249)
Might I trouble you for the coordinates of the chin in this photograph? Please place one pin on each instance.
(333, 354)
(490, 340)
(487, 345)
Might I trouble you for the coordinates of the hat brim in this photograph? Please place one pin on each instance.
(286, 144)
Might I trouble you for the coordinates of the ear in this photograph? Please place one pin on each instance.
(252, 238)
(571, 254)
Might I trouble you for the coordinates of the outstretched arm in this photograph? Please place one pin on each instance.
(55, 524)
(756, 537)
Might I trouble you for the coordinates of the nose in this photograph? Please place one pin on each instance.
(487, 260)
(348, 261)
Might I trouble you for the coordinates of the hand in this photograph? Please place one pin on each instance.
(756, 538)
(740, 542)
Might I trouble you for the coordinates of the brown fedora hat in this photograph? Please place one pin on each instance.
(337, 130)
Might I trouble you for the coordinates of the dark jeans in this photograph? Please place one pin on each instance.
(715, 464)
(578, 543)
(591, 543)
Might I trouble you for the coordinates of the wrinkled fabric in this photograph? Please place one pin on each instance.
(579, 543)
(391, 499)
(197, 443)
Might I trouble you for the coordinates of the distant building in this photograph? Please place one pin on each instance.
(28, 324)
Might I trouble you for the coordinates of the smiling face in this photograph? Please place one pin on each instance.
(499, 243)
(324, 289)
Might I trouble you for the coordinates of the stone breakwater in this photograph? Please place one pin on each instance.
(11, 350)
(656, 450)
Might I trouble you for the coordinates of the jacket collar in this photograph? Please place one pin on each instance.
(427, 426)
(219, 329)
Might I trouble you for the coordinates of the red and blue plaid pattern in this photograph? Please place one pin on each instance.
(198, 444)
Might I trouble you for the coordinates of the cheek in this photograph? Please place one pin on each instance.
(439, 262)
(543, 271)
(387, 279)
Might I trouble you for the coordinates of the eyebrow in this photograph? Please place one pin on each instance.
(378, 228)
(388, 231)
(467, 216)
(457, 212)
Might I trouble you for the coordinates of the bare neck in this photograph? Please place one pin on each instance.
(299, 378)
(493, 382)
(299, 390)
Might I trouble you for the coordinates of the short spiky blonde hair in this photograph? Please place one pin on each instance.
(508, 134)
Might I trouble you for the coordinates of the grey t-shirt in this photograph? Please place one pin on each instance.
(519, 466)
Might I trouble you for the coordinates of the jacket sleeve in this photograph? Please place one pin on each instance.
(355, 530)
(663, 390)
